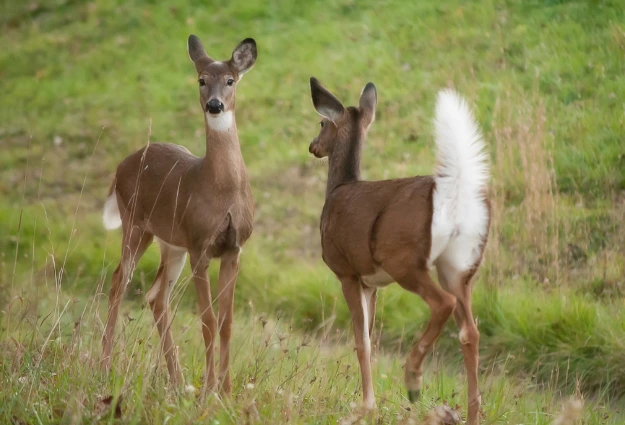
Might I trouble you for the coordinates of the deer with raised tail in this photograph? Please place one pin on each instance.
(188, 204)
(374, 233)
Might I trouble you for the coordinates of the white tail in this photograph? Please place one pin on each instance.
(461, 179)
(462, 160)
(110, 216)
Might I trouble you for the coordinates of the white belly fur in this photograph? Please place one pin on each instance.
(378, 279)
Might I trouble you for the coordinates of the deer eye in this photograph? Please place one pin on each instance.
(230, 81)
(321, 124)
(202, 82)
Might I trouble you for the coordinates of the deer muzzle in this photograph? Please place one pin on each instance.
(313, 149)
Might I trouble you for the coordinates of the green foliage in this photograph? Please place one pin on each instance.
(86, 83)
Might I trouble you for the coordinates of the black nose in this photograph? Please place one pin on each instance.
(214, 106)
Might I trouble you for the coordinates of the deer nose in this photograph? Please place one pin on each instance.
(313, 150)
(214, 106)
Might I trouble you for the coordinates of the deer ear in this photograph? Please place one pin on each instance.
(326, 104)
(368, 102)
(197, 53)
(244, 56)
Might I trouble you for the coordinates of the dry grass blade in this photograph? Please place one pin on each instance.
(251, 413)
(357, 416)
(571, 413)
(317, 162)
(439, 415)
(74, 410)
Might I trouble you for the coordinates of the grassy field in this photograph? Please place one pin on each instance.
(84, 84)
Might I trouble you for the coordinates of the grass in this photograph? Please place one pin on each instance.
(84, 83)
(281, 376)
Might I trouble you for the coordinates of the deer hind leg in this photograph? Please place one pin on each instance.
(172, 262)
(228, 273)
(459, 284)
(134, 243)
(199, 266)
(371, 296)
(442, 305)
(357, 302)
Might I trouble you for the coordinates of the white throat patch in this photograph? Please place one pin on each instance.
(221, 122)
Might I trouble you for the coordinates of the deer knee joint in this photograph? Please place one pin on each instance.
(209, 322)
(225, 331)
(475, 400)
(150, 297)
(469, 335)
(156, 302)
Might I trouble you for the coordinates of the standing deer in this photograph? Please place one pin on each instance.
(374, 233)
(202, 206)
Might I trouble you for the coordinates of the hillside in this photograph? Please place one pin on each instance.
(84, 84)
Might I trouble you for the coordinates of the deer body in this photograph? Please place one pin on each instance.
(202, 206)
(388, 211)
(376, 233)
(194, 198)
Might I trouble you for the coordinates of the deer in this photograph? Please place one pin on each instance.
(374, 233)
(202, 206)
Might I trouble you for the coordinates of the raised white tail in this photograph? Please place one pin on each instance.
(461, 177)
(110, 216)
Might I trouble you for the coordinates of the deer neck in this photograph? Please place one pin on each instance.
(223, 163)
(344, 163)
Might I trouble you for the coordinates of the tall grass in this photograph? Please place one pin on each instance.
(546, 82)
(51, 374)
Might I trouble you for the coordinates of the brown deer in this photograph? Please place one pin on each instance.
(374, 233)
(199, 205)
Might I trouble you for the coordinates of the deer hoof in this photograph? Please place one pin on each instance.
(413, 395)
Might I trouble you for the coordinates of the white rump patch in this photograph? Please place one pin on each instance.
(110, 216)
(221, 122)
(378, 279)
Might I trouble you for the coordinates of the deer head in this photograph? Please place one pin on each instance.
(217, 80)
(340, 125)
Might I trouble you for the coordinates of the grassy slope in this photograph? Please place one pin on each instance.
(550, 73)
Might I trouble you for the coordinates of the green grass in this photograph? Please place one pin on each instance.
(281, 376)
(86, 83)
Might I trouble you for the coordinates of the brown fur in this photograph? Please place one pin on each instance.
(199, 205)
(385, 225)
(184, 200)
(376, 224)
